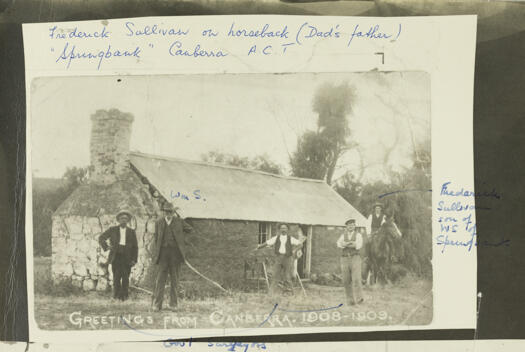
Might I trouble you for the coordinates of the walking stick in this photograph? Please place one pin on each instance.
(266, 276)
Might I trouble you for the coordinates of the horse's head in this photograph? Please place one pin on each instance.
(388, 227)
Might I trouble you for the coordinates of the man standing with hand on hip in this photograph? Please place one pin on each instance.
(351, 242)
(169, 250)
(123, 252)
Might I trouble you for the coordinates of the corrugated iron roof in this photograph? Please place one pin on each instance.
(239, 194)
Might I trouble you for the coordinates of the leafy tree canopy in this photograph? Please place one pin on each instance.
(318, 151)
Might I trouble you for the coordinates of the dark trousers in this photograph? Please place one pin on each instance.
(121, 270)
(169, 263)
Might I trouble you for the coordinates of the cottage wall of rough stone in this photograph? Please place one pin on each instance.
(219, 249)
(90, 210)
(78, 258)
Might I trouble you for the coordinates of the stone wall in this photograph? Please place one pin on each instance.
(219, 249)
(91, 208)
(78, 258)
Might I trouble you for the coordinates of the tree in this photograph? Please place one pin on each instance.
(407, 196)
(259, 162)
(310, 160)
(318, 151)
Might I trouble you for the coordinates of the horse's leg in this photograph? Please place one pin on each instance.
(380, 275)
(375, 273)
(371, 271)
(384, 278)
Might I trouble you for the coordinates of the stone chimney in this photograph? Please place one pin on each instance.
(110, 136)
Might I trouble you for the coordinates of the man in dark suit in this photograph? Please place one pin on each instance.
(169, 250)
(123, 251)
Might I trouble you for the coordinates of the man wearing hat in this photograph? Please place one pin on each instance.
(350, 243)
(374, 222)
(376, 219)
(169, 250)
(283, 269)
(123, 251)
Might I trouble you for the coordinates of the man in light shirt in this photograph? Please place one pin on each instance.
(283, 268)
(123, 252)
(350, 243)
(375, 219)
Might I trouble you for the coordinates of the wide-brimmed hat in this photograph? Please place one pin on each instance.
(123, 212)
(283, 223)
(350, 221)
(168, 207)
(377, 204)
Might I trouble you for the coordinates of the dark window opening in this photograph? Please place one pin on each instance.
(265, 232)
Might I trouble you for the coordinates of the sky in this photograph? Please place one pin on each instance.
(186, 116)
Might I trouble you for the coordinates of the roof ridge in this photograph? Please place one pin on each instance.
(206, 163)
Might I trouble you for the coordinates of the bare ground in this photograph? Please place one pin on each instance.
(408, 302)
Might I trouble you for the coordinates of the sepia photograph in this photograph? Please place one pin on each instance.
(219, 201)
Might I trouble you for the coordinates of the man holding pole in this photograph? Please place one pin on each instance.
(283, 268)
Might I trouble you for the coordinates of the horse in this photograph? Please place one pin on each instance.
(383, 248)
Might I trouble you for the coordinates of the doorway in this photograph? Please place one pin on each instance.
(303, 263)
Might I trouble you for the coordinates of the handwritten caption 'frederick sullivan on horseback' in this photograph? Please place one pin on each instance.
(456, 217)
(134, 40)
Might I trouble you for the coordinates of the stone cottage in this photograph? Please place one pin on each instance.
(230, 209)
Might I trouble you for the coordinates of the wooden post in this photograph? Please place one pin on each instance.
(301, 283)
(266, 276)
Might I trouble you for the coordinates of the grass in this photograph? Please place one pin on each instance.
(407, 302)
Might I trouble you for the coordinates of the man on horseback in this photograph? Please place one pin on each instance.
(351, 242)
(384, 247)
(376, 219)
(374, 222)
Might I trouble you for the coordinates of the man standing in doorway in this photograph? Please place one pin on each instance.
(351, 242)
(169, 250)
(283, 268)
(123, 252)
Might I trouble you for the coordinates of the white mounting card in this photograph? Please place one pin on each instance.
(246, 86)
